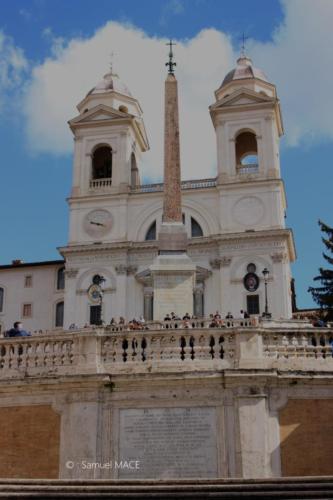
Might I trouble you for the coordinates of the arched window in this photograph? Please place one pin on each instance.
(59, 314)
(2, 296)
(151, 233)
(134, 172)
(61, 278)
(246, 153)
(196, 230)
(102, 163)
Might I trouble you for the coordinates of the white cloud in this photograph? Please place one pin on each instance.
(299, 60)
(60, 83)
(13, 66)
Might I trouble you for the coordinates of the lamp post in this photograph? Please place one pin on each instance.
(265, 273)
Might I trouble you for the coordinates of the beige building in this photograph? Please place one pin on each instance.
(32, 293)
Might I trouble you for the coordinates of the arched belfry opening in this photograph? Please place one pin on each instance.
(134, 172)
(246, 152)
(151, 233)
(102, 163)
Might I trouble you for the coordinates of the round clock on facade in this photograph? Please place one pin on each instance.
(98, 223)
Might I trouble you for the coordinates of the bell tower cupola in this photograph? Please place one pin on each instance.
(248, 124)
(110, 137)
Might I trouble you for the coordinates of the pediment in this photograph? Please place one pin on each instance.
(243, 97)
(98, 114)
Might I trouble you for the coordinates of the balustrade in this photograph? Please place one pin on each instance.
(100, 183)
(167, 346)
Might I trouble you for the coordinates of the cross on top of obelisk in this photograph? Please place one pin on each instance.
(244, 38)
(170, 63)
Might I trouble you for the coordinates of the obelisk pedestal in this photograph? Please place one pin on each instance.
(173, 271)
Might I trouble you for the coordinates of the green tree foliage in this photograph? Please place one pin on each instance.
(323, 294)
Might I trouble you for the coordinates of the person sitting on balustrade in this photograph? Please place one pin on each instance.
(17, 331)
(121, 320)
(318, 322)
(131, 325)
(186, 316)
(213, 323)
(113, 321)
(229, 316)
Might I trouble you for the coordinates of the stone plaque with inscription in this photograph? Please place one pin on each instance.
(169, 442)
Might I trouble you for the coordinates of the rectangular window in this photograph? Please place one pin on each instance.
(253, 304)
(59, 320)
(27, 311)
(95, 315)
(28, 281)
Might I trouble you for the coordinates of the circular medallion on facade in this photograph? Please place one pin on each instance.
(248, 211)
(94, 294)
(98, 223)
(251, 282)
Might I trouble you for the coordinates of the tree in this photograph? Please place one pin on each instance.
(323, 294)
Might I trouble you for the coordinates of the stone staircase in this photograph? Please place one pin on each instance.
(304, 488)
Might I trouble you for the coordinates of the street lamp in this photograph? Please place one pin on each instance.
(265, 273)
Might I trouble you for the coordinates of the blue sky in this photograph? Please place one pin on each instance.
(39, 89)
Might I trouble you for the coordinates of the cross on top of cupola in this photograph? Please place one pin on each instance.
(110, 82)
(244, 69)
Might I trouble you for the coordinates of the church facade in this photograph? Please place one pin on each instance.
(235, 222)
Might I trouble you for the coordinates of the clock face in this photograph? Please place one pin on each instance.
(98, 223)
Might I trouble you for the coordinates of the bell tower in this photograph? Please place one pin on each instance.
(247, 119)
(248, 124)
(110, 136)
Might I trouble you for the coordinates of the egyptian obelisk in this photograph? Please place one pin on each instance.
(173, 271)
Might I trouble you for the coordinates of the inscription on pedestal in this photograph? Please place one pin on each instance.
(173, 292)
(169, 442)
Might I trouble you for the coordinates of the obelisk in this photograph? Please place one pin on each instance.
(173, 271)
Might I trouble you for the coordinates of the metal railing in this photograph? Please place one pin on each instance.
(191, 184)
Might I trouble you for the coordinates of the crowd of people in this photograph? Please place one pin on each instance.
(215, 320)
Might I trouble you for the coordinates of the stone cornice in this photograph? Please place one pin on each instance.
(206, 242)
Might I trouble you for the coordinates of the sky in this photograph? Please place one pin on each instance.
(52, 52)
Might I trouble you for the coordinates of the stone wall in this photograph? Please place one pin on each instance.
(307, 437)
(29, 442)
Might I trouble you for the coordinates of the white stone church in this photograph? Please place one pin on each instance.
(235, 222)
